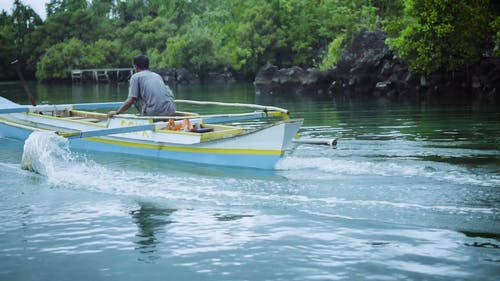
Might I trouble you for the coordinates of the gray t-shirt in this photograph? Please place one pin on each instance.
(157, 97)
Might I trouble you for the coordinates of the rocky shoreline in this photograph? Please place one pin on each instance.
(369, 68)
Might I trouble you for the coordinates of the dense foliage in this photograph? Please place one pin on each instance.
(443, 35)
(239, 35)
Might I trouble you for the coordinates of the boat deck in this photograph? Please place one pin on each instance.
(207, 132)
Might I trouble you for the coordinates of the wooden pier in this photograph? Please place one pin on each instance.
(101, 74)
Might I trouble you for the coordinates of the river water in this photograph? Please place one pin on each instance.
(411, 192)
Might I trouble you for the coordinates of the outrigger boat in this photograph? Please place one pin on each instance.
(213, 141)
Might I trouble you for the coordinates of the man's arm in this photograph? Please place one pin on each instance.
(126, 105)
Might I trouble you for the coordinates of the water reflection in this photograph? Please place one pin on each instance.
(483, 240)
(150, 221)
(230, 217)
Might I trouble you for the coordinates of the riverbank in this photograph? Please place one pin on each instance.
(369, 68)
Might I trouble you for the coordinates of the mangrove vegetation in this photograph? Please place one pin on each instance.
(240, 36)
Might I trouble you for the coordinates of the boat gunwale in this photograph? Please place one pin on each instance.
(227, 132)
(69, 113)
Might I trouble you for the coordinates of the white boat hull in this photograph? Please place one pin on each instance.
(260, 148)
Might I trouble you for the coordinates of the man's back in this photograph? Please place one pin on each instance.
(156, 96)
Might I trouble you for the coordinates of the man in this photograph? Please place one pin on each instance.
(148, 87)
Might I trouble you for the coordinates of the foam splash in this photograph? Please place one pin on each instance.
(362, 167)
(49, 155)
(342, 166)
(44, 152)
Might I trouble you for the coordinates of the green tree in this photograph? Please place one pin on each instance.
(242, 35)
(8, 50)
(106, 54)
(333, 53)
(195, 52)
(203, 35)
(71, 19)
(495, 26)
(59, 59)
(441, 35)
(252, 38)
(147, 35)
(14, 32)
(25, 20)
(341, 21)
(389, 9)
(63, 6)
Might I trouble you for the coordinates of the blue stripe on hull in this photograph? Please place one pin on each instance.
(14, 132)
(260, 161)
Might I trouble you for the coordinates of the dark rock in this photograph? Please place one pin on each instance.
(219, 77)
(383, 85)
(169, 75)
(185, 76)
(369, 68)
(295, 80)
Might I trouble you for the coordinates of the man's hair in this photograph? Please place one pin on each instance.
(142, 62)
